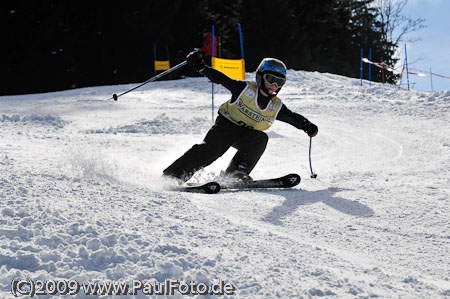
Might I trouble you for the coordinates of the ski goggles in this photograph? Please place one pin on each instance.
(272, 79)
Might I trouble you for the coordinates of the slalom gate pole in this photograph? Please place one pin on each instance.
(370, 67)
(115, 96)
(431, 79)
(212, 83)
(168, 58)
(406, 62)
(242, 44)
(361, 66)
(313, 175)
(154, 56)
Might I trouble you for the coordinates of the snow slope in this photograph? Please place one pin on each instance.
(81, 196)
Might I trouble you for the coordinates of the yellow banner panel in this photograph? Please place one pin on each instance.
(233, 68)
(162, 65)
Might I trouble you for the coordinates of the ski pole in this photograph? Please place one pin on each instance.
(313, 175)
(115, 96)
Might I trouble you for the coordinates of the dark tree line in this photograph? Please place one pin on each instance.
(52, 45)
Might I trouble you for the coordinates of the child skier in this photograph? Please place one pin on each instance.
(240, 123)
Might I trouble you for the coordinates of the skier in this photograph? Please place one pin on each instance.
(240, 123)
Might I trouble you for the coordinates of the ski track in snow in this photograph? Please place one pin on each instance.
(81, 196)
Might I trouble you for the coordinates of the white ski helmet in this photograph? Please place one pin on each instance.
(274, 67)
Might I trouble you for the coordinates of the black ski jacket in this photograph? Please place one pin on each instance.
(237, 86)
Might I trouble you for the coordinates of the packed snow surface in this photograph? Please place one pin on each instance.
(81, 196)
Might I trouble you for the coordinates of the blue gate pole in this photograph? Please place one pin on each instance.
(370, 67)
(212, 83)
(154, 56)
(406, 62)
(361, 66)
(168, 59)
(242, 44)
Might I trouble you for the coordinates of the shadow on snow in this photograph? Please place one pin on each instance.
(297, 198)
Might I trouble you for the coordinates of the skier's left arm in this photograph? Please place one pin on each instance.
(298, 121)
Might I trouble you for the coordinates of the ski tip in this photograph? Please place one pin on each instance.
(211, 187)
(292, 179)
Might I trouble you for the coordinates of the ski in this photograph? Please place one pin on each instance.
(209, 188)
(287, 181)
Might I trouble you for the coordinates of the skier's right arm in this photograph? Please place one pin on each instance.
(195, 60)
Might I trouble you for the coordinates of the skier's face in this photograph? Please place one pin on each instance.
(271, 88)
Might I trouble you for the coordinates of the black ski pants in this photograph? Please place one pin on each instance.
(222, 135)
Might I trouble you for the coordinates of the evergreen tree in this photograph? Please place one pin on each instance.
(54, 45)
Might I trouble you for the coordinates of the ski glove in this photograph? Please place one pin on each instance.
(311, 129)
(195, 60)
